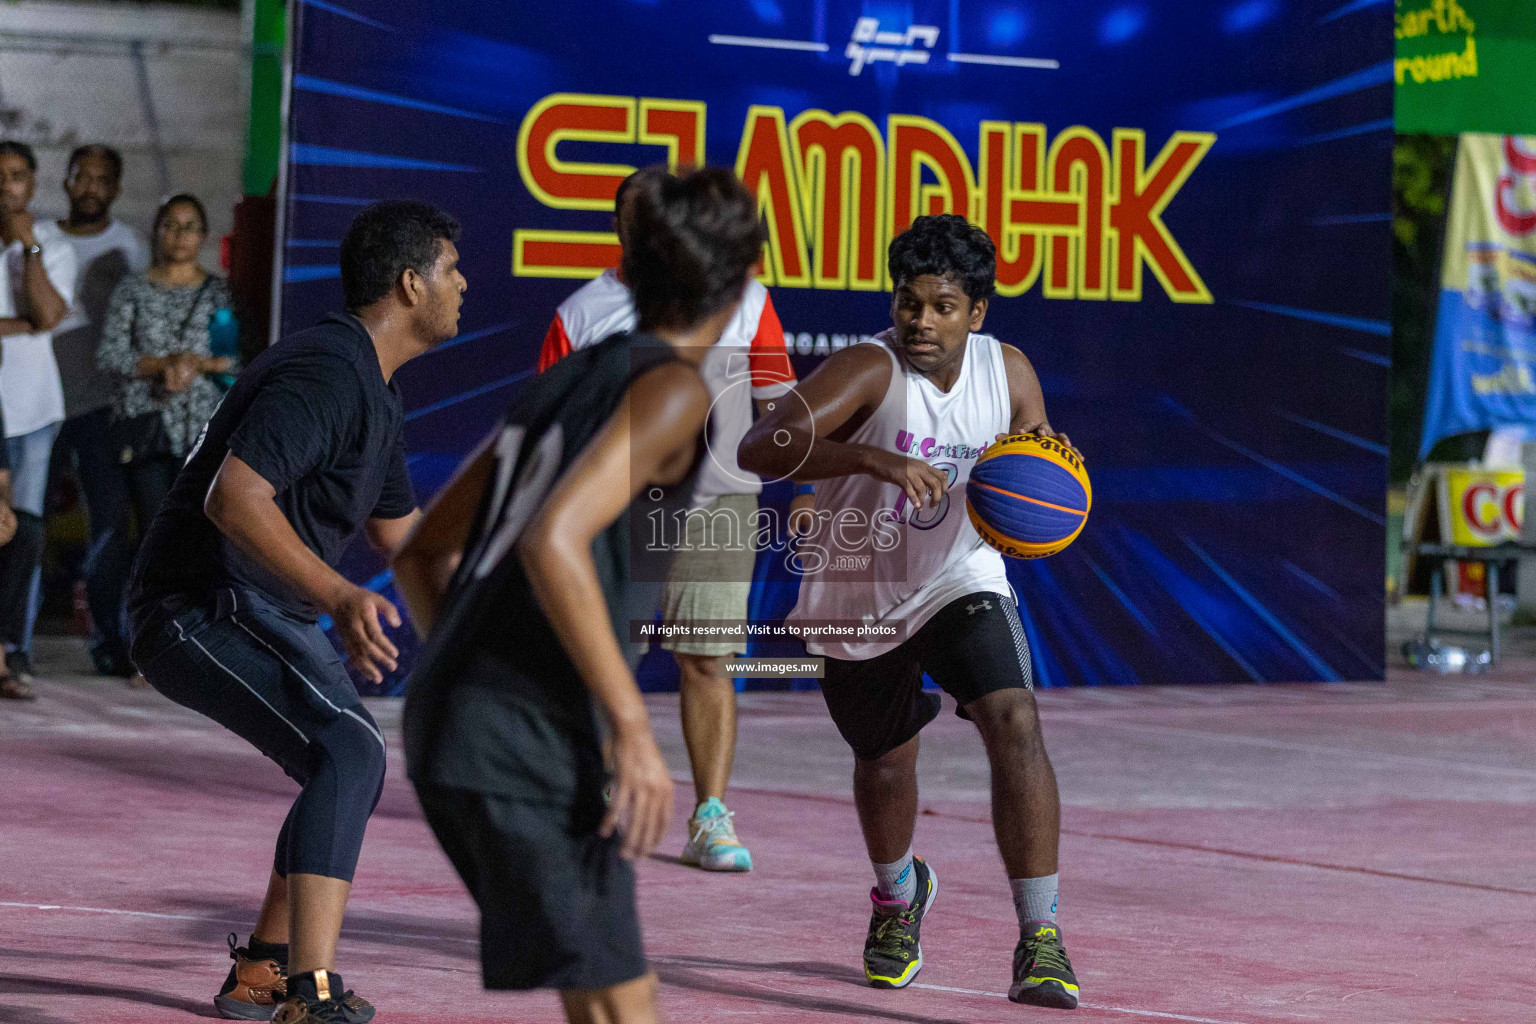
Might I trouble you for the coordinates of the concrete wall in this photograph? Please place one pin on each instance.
(164, 84)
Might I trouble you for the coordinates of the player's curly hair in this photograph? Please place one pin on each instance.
(946, 245)
(691, 240)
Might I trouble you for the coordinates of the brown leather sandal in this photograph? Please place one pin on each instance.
(12, 688)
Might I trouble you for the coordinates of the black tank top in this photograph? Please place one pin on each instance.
(494, 674)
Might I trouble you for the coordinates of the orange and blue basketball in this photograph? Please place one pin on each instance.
(1028, 496)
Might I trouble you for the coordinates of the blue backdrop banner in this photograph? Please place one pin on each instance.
(1191, 204)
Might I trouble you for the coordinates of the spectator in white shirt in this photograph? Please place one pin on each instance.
(106, 251)
(37, 285)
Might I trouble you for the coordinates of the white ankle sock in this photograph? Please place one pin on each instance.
(1034, 899)
(897, 880)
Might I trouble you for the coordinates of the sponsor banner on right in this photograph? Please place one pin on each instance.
(1485, 333)
(1482, 507)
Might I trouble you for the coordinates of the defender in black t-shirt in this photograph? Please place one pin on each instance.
(240, 561)
(524, 569)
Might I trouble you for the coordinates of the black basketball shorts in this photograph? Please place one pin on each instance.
(557, 903)
(971, 647)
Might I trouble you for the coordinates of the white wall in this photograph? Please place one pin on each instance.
(68, 76)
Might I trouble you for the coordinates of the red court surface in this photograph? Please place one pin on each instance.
(1232, 855)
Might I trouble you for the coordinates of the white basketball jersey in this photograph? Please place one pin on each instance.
(939, 556)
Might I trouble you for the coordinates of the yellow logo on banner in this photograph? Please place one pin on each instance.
(1483, 506)
(1079, 214)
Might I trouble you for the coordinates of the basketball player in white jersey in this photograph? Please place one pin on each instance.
(711, 577)
(890, 430)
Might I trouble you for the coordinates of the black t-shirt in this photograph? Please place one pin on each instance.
(314, 417)
(494, 703)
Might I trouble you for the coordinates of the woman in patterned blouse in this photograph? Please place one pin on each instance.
(156, 340)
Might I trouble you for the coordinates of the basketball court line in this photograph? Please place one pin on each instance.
(1360, 756)
(244, 923)
(1086, 1006)
(1290, 698)
(1078, 712)
(929, 812)
(355, 932)
(1293, 861)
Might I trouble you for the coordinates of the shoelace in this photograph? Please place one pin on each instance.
(338, 1008)
(891, 937)
(717, 823)
(1048, 954)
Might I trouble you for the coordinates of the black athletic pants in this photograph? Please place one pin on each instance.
(276, 682)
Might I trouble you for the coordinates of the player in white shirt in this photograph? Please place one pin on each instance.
(106, 250)
(37, 284)
(711, 574)
(891, 429)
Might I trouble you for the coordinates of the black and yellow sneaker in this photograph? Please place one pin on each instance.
(319, 997)
(892, 953)
(1042, 974)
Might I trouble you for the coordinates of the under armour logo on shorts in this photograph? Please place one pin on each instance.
(984, 606)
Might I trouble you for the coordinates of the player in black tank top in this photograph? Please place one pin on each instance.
(527, 572)
(464, 722)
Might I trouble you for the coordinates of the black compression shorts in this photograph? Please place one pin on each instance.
(971, 647)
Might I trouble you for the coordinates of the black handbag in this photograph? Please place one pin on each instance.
(141, 437)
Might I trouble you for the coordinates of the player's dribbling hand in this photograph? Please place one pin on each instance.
(642, 792)
(924, 485)
(1043, 429)
(356, 612)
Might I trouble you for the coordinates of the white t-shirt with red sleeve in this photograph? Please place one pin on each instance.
(749, 361)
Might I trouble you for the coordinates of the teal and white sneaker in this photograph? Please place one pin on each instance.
(712, 843)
